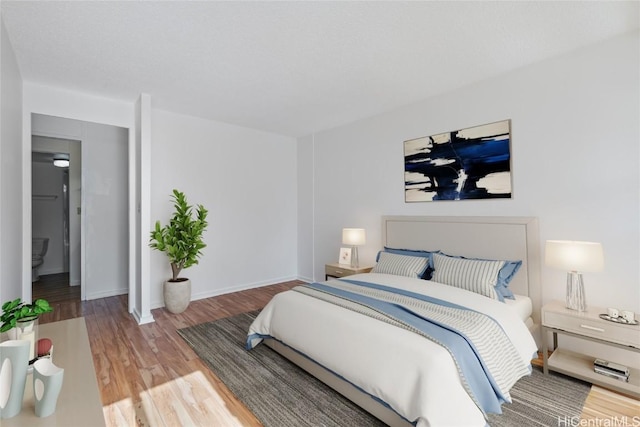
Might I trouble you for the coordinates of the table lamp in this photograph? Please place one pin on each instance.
(575, 258)
(354, 237)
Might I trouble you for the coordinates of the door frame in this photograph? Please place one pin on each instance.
(28, 133)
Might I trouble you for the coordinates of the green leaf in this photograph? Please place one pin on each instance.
(41, 303)
(10, 305)
(7, 326)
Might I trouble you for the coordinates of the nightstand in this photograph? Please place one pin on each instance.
(341, 270)
(588, 325)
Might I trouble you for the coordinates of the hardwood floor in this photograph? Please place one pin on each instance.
(605, 408)
(55, 289)
(148, 376)
(603, 404)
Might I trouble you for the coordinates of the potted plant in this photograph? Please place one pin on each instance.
(20, 320)
(16, 312)
(181, 240)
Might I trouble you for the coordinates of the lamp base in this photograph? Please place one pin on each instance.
(354, 258)
(576, 299)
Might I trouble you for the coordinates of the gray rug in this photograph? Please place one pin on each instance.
(543, 400)
(281, 394)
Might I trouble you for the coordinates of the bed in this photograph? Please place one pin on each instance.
(335, 331)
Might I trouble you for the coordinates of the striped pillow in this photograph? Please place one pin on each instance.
(401, 265)
(479, 276)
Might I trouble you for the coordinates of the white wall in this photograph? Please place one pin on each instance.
(575, 132)
(105, 194)
(11, 211)
(247, 181)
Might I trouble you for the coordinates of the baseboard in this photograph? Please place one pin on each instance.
(45, 272)
(230, 289)
(106, 294)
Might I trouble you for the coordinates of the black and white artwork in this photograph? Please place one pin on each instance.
(471, 163)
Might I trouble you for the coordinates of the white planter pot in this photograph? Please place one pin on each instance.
(47, 383)
(177, 295)
(14, 361)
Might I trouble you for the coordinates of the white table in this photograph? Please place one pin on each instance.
(79, 401)
(588, 325)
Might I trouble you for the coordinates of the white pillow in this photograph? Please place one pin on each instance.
(401, 265)
(479, 276)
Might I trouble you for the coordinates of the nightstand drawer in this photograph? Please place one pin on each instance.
(332, 270)
(339, 270)
(601, 329)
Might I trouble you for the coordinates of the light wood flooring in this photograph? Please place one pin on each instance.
(148, 375)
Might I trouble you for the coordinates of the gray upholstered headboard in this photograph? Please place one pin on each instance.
(508, 238)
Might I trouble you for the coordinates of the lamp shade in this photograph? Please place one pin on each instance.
(569, 255)
(353, 236)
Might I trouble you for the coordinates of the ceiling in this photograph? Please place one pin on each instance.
(294, 68)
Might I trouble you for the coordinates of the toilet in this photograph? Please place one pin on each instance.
(39, 247)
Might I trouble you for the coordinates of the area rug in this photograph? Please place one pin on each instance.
(281, 394)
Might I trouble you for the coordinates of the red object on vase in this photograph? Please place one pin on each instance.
(44, 347)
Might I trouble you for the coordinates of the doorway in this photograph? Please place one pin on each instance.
(55, 228)
(98, 194)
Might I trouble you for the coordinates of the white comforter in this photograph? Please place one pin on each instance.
(414, 376)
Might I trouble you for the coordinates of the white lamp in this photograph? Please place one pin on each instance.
(575, 258)
(354, 237)
(61, 160)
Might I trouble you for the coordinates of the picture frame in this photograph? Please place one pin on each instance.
(345, 256)
(465, 164)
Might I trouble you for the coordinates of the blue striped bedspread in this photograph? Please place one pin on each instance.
(486, 359)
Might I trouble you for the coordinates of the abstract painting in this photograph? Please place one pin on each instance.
(471, 163)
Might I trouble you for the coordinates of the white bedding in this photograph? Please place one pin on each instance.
(521, 305)
(414, 376)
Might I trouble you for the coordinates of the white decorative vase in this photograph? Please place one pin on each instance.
(47, 383)
(14, 361)
(177, 295)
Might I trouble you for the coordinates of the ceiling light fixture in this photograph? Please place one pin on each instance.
(61, 160)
